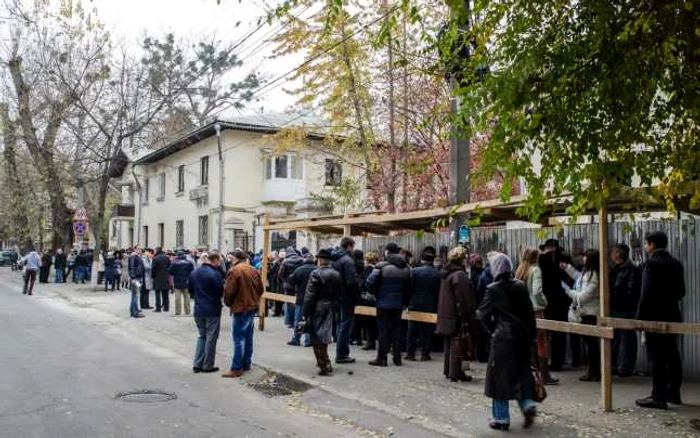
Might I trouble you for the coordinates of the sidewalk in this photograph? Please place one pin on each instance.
(416, 398)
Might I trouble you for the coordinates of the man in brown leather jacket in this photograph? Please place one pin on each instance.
(242, 294)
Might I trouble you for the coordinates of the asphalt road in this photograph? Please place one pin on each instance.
(62, 367)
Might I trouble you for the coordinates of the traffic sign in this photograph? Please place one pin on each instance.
(464, 234)
(80, 228)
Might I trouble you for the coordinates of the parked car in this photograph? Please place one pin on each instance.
(5, 258)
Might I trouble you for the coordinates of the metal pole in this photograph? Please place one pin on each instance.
(220, 231)
(459, 145)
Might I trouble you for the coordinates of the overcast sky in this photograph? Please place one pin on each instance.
(130, 19)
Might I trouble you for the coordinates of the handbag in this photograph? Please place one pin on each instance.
(575, 312)
(539, 392)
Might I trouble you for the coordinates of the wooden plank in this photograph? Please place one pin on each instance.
(263, 273)
(407, 315)
(347, 230)
(605, 350)
(426, 215)
(280, 297)
(679, 328)
(572, 327)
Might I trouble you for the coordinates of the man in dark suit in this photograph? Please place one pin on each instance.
(161, 280)
(663, 286)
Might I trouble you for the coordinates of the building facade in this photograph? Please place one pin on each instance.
(178, 196)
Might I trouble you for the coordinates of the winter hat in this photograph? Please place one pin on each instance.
(500, 264)
(392, 248)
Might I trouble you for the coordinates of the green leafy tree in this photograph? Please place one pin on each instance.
(581, 97)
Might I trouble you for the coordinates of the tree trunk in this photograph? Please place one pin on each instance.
(19, 213)
(42, 154)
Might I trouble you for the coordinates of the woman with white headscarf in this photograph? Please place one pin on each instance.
(507, 313)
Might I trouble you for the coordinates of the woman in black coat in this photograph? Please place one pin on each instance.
(111, 277)
(507, 313)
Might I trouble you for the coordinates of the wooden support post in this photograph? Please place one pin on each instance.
(605, 344)
(347, 230)
(265, 262)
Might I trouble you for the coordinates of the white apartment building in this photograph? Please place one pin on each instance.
(177, 197)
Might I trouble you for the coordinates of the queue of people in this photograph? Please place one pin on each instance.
(485, 311)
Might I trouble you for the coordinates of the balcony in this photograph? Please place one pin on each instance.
(283, 190)
(123, 210)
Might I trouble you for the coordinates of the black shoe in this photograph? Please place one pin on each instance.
(378, 363)
(157, 311)
(196, 370)
(410, 358)
(246, 368)
(293, 343)
(213, 370)
(589, 378)
(499, 426)
(342, 360)
(650, 403)
(369, 347)
(675, 399)
(426, 358)
(462, 378)
(397, 361)
(551, 381)
(326, 371)
(530, 415)
(556, 368)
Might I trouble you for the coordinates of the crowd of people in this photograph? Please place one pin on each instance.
(485, 311)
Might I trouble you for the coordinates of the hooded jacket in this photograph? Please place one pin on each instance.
(426, 288)
(287, 268)
(390, 282)
(347, 268)
(300, 278)
(457, 302)
(663, 286)
(180, 270)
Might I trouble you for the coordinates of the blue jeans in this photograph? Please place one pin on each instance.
(347, 318)
(243, 329)
(289, 315)
(296, 336)
(59, 276)
(134, 308)
(624, 346)
(500, 409)
(80, 274)
(205, 352)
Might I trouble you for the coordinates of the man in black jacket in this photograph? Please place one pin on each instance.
(60, 265)
(290, 263)
(161, 280)
(624, 299)
(347, 268)
(300, 279)
(320, 304)
(663, 286)
(424, 298)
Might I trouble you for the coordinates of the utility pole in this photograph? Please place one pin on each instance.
(220, 231)
(459, 143)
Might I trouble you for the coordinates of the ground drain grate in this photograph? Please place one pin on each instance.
(276, 385)
(146, 396)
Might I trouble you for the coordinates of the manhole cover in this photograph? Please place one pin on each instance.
(146, 396)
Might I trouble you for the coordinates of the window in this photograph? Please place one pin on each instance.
(146, 185)
(179, 234)
(204, 230)
(297, 167)
(129, 195)
(204, 171)
(281, 170)
(161, 187)
(145, 236)
(181, 179)
(268, 168)
(334, 173)
(161, 235)
(284, 167)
